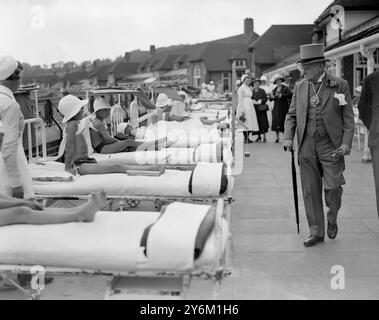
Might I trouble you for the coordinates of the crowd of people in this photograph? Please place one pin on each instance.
(258, 106)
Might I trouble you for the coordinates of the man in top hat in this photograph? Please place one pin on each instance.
(322, 116)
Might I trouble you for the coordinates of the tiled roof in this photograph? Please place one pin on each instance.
(101, 72)
(279, 39)
(122, 69)
(75, 76)
(356, 5)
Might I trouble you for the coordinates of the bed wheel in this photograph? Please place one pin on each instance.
(133, 203)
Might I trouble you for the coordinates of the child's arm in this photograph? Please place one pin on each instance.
(71, 129)
(9, 202)
(100, 127)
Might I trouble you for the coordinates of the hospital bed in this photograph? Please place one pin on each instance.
(206, 183)
(134, 249)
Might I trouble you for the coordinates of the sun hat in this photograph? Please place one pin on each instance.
(8, 65)
(277, 77)
(163, 100)
(244, 77)
(311, 53)
(263, 78)
(256, 80)
(100, 104)
(69, 106)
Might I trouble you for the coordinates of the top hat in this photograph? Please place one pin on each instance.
(311, 53)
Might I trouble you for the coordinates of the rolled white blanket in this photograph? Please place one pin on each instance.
(171, 240)
(206, 179)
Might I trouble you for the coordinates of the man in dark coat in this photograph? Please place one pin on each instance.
(321, 114)
(369, 113)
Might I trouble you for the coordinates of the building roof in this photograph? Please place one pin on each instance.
(280, 41)
(122, 69)
(75, 76)
(218, 56)
(101, 71)
(215, 54)
(349, 5)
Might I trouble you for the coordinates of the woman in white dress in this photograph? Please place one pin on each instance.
(245, 108)
(14, 172)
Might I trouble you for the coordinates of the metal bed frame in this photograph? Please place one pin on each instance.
(169, 283)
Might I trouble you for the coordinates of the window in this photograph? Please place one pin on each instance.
(360, 67)
(225, 78)
(240, 63)
(197, 76)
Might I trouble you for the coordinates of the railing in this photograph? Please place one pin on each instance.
(40, 134)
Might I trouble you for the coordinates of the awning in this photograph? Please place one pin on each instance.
(150, 80)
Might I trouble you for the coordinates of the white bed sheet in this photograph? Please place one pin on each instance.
(172, 183)
(110, 243)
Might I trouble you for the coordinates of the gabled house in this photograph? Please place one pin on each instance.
(351, 39)
(278, 43)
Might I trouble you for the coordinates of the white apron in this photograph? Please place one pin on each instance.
(246, 107)
(23, 167)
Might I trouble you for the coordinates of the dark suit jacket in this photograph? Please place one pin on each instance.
(369, 106)
(339, 120)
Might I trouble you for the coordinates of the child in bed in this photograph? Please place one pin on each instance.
(103, 142)
(76, 148)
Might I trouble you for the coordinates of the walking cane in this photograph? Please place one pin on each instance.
(294, 188)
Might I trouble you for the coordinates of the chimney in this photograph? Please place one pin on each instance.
(127, 57)
(152, 50)
(248, 26)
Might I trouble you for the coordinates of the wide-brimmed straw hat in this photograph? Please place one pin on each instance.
(277, 77)
(69, 106)
(100, 104)
(163, 100)
(311, 53)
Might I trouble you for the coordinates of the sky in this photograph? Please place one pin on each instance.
(48, 31)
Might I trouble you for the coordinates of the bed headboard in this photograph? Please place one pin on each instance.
(37, 126)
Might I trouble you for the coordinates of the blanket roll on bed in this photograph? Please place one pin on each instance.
(174, 235)
(208, 178)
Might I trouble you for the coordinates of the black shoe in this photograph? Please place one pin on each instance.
(312, 241)
(332, 230)
(258, 139)
(250, 141)
(277, 141)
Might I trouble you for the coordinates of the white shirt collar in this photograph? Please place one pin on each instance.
(7, 92)
(321, 77)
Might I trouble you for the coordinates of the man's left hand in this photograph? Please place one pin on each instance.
(342, 151)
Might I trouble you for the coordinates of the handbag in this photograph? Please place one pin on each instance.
(263, 107)
(242, 118)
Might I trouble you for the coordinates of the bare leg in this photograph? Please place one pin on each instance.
(99, 168)
(25, 215)
(119, 146)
